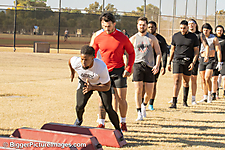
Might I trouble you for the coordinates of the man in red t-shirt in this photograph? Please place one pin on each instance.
(112, 45)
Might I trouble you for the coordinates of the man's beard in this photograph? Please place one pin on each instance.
(85, 68)
(142, 31)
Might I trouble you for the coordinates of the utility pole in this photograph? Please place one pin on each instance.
(144, 8)
(14, 38)
(103, 6)
(59, 26)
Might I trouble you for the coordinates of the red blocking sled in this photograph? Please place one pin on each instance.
(106, 137)
(81, 142)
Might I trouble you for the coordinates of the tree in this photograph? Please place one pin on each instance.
(70, 10)
(96, 8)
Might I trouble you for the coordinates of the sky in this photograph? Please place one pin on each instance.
(129, 5)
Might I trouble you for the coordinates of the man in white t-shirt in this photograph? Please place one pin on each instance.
(93, 75)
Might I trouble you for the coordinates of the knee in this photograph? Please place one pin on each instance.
(176, 82)
(138, 91)
(79, 109)
(207, 79)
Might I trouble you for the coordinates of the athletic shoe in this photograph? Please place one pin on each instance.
(173, 106)
(140, 117)
(150, 107)
(209, 99)
(101, 126)
(143, 110)
(203, 100)
(77, 122)
(123, 127)
(194, 102)
(213, 98)
(185, 104)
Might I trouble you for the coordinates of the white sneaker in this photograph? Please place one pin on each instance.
(140, 117)
(143, 110)
(203, 100)
(209, 99)
(77, 123)
(193, 102)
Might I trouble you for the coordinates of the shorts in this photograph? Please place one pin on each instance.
(207, 65)
(143, 73)
(181, 66)
(222, 71)
(157, 75)
(117, 79)
(195, 69)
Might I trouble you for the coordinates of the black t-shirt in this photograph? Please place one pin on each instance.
(222, 44)
(184, 45)
(163, 48)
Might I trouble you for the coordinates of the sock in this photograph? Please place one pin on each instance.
(209, 93)
(123, 120)
(193, 98)
(214, 95)
(224, 92)
(101, 121)
(151, 101)
(185, 92)
(138, 109)
(205, 96)
(144, 104)
(142, 100)
(174, 100)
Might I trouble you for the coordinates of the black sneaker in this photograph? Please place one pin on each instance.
(173, 106)
(185, 104)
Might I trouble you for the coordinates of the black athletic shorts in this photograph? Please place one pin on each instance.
(207, 65)
(181, 66)
(223, 69)
(195, 69)
(143, 73)
(117, 79)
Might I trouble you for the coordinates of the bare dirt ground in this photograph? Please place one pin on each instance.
(35, 89)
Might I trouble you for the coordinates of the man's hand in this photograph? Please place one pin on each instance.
(219, 66)
(155, 70)
(169, 67)
(87, 87)
(163, 70)
(206, 59)
(191, 66)
(126, 74)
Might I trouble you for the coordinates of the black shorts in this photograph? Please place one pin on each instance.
(207, 65)
(195, 69)
(143, 73)
(223, 69)
(117, 79)
(181, 66)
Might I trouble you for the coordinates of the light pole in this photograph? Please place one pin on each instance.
(59, 26)
(103, 6)
(144, 8)
(14, 38)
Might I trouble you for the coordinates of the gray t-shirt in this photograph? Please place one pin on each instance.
(143, 50)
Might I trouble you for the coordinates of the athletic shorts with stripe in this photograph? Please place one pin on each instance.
(181, 66)
(207, 65)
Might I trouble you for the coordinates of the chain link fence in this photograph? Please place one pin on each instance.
(42, 24)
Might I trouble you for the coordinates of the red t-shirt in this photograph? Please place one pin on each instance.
(112, 47)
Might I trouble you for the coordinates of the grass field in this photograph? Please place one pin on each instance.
(35, 89)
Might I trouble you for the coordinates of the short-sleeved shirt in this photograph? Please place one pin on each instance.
(184, 45)
(112, 47)
(97, 74)
(163, 47)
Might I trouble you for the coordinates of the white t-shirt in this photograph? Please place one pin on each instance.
(98, 73)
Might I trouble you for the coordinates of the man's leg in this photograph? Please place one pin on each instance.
(151, 102)
(208, 76)
(81, 103)
(193, 88)
(138, 85)
(223, 78)
(149, 87)
(106, 98)
(204, 86)
(186, 80)
(101, 115)
(214, 86)
(177, 78)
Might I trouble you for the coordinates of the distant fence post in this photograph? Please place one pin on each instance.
(14, 38)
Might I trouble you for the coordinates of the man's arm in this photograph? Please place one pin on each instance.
(218, 49)
(164, 50)
(130, 51)
(196, 54)
(206, 45)
(171, 56)
(72, 71)
(101, 87)
(92, 39)
(157, 50)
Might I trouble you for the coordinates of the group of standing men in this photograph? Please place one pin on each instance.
(144, 52)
